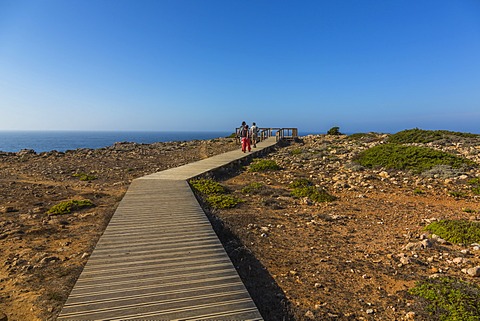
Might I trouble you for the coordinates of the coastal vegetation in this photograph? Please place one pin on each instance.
(216, 195)
(415, 158)
(456, 231)
(252, 188)
(262, 165)
(85, 177)
(304, 188)
(334, 131)
(421, 136)
(475, 185)
(449, 299)
(67, 207)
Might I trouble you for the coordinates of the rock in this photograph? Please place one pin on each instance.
(8, 209)
(309, 314)
(370, 311)
(405, 260)
(384, 174)
(411, 246)
(426, 243)
(475, 271)
(410, 316)
(458, 260)
(438, 239)
(49, 259)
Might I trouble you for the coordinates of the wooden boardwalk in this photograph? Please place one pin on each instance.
(159, 258)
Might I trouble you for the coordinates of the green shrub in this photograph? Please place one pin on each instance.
(223, 201)
(369, 137)
(414, 158)
(262, 165)
(475, 182)
(334, 131)
(216, 195)
(457, 194)
(302, 182)
(315, 194)
(208, 186)
(69, 206)
(456, 231)
(84, 177)
(416, 135)
(296, 151)
(449, 299)
(252, 188)
(418, 191)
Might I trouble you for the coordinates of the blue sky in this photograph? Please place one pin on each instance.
(362, 65)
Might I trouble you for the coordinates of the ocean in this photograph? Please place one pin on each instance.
(44, 141)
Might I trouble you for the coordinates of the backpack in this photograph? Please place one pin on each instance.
(244, 132)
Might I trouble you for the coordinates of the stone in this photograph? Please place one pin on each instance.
(405, 260)
(309, 314)
(410, 246)
(384, 174)
(49, 259)
(458, 260)
(475, 271)
(426, 243)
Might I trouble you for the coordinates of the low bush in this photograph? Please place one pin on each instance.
(69, 206)
(414, 158)
(416, 135)
(215, 194)
(475, 182)
(208, 186)
(457, 194)
(334, 131)
(252, 188)
(301, 182)
(315, 194)
(418, 191)
(223, 201)
(367, 137)
(456, 231)
(296, 151)
(449, 299)
(84, 177)
(262, 165)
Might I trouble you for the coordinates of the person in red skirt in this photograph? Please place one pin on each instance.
(245, 137)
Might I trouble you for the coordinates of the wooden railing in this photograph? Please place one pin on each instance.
(279, 133)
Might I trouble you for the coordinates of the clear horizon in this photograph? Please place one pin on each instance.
(187, 65)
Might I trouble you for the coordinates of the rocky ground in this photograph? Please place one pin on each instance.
(351, 259)
(354, 258)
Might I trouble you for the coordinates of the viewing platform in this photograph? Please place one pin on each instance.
(159, 257)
